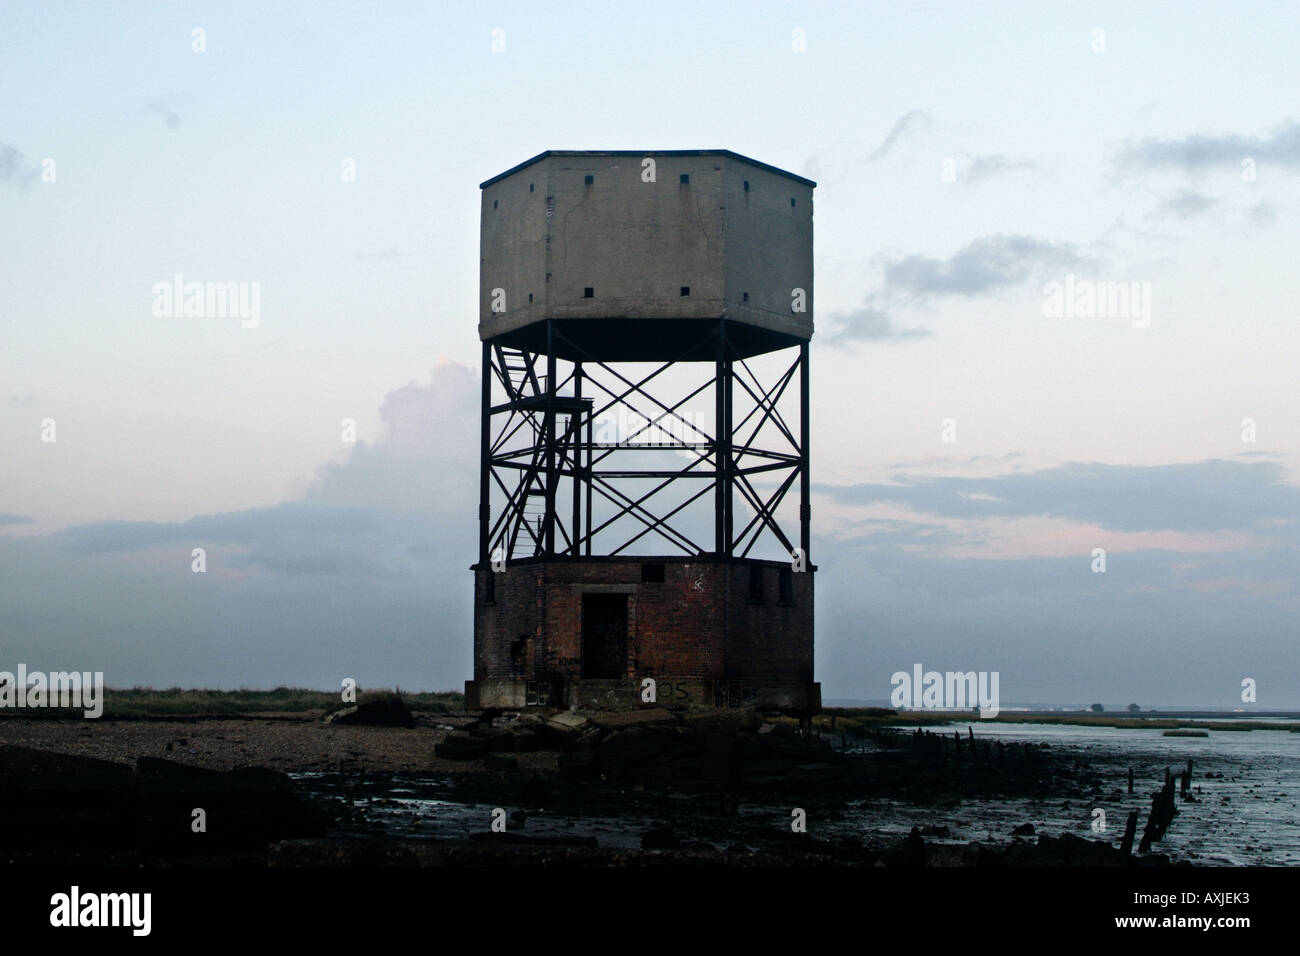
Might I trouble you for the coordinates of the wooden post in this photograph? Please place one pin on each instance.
(1130, 830)
(1186, 787)
(1130, 779)
(1162, 814)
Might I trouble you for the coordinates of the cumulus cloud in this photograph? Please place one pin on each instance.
(1281, 145)
(366, 575)
(983, 265)
(867, 324)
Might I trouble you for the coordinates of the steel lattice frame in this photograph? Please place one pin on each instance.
(539, 440)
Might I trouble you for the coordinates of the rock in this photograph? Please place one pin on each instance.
(620, 719)
(1025, 829)
(501, 763)
(76, 808)
(1071, 850)
(910, 852)
(568, 721)
(529, 738)
(627, 750)
(377, 709)
(730, 720)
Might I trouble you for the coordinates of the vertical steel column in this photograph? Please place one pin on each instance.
(575, 450)
(587, 479)
(728, 436)
(805, 441)
(548, 539)
(485, 461)
(722, 524)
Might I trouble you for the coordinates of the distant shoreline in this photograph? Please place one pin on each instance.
(146, 703)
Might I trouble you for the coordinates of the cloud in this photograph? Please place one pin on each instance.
(1051, 627)
(1185, 204)
(904, 126)
(1281, 146)
(868, 324)
(419, 463)
(364, 575)
(988, 167)
(14, 167)
(896, 585)
(1263, 213)
(983, 265)
(1203, 496)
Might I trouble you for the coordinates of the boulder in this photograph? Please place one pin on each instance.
(379, 709)
(729, 720)
(620, 719)
(567, 721)
(80, 808)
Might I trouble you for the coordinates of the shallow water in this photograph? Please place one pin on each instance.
(1248, 817)
(1245, 784)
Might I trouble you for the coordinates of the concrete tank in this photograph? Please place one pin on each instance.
(585, 237)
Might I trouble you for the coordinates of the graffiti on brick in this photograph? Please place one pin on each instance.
(668, 691)
(734, 693)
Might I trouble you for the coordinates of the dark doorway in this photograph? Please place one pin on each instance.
(604, 636)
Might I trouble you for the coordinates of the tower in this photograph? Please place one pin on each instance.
(644, 484)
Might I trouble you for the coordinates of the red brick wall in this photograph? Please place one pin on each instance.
(770, 639)
(697, 623)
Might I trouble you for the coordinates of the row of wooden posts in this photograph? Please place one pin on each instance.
(1163, 808)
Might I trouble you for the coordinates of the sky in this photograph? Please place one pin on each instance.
(982, 423)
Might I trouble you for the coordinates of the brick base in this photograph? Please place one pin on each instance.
(695, 625)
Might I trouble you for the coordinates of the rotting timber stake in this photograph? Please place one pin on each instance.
(1163, 812)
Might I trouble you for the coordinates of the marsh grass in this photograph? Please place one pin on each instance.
(145, 702)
